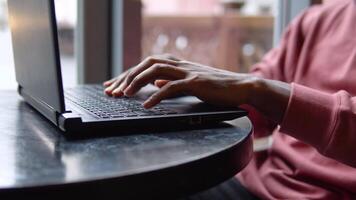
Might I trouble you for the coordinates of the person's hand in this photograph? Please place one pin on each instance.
(215, 86)
(115, 86)
(176, 77)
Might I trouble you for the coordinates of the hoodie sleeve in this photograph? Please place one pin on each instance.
(276, 65)
(325, 121)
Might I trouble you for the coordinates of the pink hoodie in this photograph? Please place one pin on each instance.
(313, 155)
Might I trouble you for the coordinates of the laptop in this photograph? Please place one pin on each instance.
(85, 108)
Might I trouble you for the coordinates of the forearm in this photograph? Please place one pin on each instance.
(270, 98)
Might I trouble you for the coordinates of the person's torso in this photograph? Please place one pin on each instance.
(326, 62)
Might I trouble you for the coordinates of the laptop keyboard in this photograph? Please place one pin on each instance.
(93, 99)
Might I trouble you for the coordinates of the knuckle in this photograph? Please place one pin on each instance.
(158, 67)
(155, 66)
(126, 82)
(128, 71)
(130, 76)
(148, 58)
(155, 96)
(170, 84)
(151, 59)
(182, 63)
(135, 81)
(193, 79)
(173, 85)
(193, 82)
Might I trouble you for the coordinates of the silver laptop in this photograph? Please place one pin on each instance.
(86, 109)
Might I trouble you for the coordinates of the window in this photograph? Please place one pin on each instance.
(66, 16)
(66, 12)
(230, 34)
(7, 73)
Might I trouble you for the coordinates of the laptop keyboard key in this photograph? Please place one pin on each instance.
(93, 99)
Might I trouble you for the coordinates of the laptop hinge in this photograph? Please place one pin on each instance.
(45, 109)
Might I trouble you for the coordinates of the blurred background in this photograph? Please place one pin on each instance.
(229, 34)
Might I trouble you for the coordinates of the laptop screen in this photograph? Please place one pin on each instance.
(36, 54)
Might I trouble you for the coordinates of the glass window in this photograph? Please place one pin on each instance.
(66, 12)
(230, 34)
(7, 73)
(66, 16)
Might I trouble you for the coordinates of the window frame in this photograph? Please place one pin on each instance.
(286, 11)
(93, 39)
(110, 17)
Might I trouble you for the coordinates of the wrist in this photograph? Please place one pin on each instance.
(256, 89)
(269, 97)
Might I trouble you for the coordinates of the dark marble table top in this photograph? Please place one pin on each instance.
(35, 158)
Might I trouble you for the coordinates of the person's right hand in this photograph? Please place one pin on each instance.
(116, 86)
(215, 86)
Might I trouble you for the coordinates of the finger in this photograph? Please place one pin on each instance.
(112, 89)
(117, 93)
(109, 91)
(171, 89)
(157, 71)
(147, 63)
(161, 83)
(109, 82)
(118, 79)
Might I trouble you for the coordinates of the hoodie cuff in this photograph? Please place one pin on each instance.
(310, 116)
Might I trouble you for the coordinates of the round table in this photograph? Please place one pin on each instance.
(37, 160)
